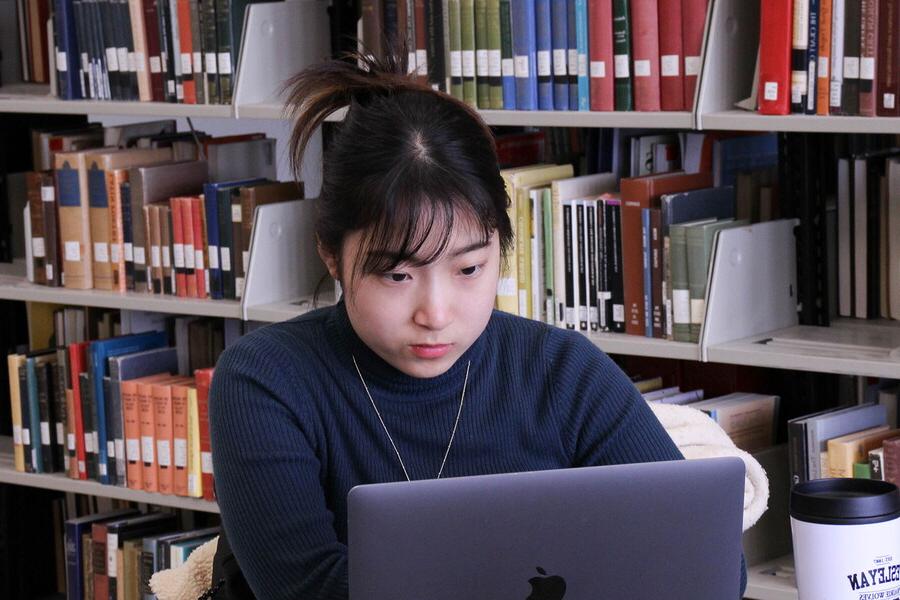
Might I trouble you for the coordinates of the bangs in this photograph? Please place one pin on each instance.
(415, 219)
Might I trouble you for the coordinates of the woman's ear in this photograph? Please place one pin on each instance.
(330, 260)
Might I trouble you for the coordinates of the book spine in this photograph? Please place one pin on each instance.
(74, 230)
(693, 24)
(45, 399)
(572, 53)
(186, 56)
(127, 235)
(482, 83)
(560, 42)
(836, 77)
(204, 378)
(615, 317)
(852, 47)
(799, 47)
(775, 77)
(421, 36)
(190, 256)
(132, 434)
(544, 38)
(622, 55)
(580, 243)
(212, 235)
(645, 46)
(656, 274)
(581, 37)
(812, 59)
(456, 78)
(602, 90)
(436, 48)
(507, 57)
(868, 53)
(147, 423)
(180, 440)
(647, 272)
(570, 270)
(593, 318)
(163, 434)
(114, 182)
(195, 206)
(823, 71)
(237, 243)
(209, 33)
(225, 245)
(36, 211)
(468, 48)
(671, 56)
(525, 50)
(99, 221)
(888, 80)
(165, 248)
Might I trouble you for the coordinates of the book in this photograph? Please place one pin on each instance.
(624, 99)
(776, 18)
(645, 59)
(821, 428)
(76, 559)
(203, 378)
(671, 56)
(844, 451)
(693, 22)
(14, 363)
(748, 419)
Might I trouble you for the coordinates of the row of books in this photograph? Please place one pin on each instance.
(599, 55)
(114, 554)
(829, 57)
(153, 218)
(597, 253)
(749, 419)
(114, 411)
(149, 50)
(849, 441)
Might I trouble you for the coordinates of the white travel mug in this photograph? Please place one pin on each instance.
(846, 539)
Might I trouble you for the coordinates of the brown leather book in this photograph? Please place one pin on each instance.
(639, 193)
(251, 197)
(100, 166)
(868, 50)
(36, 212)
(114, 181)
(165, 249)
(887, 81)
(154, 235)
(891, 467)
(156, 183)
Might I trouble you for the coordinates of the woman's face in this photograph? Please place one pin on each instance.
(422, 319)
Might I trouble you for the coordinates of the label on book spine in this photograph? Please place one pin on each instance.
(669, 65)
(851, 67)
(867, 67)
(178, 252)
(494, 59)
(468, 63)
(122, 59)
(226, 261)
(213, 256)
(129, 252)
(522, 66)
(72, 251)
(206, 465)
(543, 63)
(508, 67)
(180, 453)
(17, 434)
(455, 63)
(163, 455)
(559, 61)
(198, 259)
(225, 63)
(60, 434)
(147, 449)
(112, 543)
(598, 69)
(186, 63)
(198, 62)
(642, 68)
(422, 62)
(70, 441)
(112, 60)
(115, 253)
(45, 433)
(691, 65)
(155, 65)
(37, 247)
(26, 436)
(48, 193)
(101, 252)
(621, 65)
(139, 256)
(133, 450)
(111, 449)
(62, 62)
(211, 67)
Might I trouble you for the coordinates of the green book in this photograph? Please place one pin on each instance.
(467, 44)
(507, 61)
(483, 86)
(495, 80)
(549, 296)
(456, 79)
(679, 287)
(862, 471)
(622, 55)
(699, 251)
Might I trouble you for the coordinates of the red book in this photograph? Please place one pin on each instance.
(185, 52)
(78, 364)
(98, 561)
(178, 246)
(776, 18)
(187, 224)
(151, 28)
(198, 216)
(180, 438)
(639, 193)
(671, 54)
(645, 54)
(888, 80)
(203, 378)
(693, 23)
(600, 38)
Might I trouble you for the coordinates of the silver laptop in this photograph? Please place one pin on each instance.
(653, 530)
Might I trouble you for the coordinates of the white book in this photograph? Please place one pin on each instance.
(567, 189)
(537, 254)
(837, 54)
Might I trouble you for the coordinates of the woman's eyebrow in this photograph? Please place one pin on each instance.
(473, 246)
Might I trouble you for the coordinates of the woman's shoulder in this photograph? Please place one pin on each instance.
(533, 337)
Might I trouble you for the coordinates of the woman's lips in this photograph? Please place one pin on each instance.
(430, 350)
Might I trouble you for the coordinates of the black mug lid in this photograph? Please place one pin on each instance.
(845, 500)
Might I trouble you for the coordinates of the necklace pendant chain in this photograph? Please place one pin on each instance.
(462, 400)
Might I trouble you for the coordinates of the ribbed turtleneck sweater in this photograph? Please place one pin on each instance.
(293, 431)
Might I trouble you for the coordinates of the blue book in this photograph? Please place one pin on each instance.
(581, 43)
(34, 413)
(98, 357)
(572, 54)
(507, 60)
(74, 529)
(544, 54)
(559, 17)
(743, 153)
(68, 80)
(211, 205)
(648, 279)
(525, 51)
(693, 205)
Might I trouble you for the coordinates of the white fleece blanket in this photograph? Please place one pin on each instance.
(695, 434)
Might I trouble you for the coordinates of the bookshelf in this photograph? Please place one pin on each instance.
(61, 483)
(282, 276)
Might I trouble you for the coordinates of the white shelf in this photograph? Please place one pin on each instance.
(35, 98)
(828, 358)
(283, 311)
(742, 120)
(773, 580)
(264, 110)
(635, 345)
(62, 483)
(14, 287)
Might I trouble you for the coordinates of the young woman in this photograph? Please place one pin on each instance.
(413, 374)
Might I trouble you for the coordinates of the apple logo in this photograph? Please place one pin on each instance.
(547, 588)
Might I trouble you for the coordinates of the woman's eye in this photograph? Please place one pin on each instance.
(396, 277)
(469, 271)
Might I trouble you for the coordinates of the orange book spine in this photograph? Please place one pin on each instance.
(132, 420)
(198, 221)
(114, 181)
(187, 225)
(184, 53)
(147, 416)
(178, 247)
(823, 72)
(180, 439)
(203, 379)
(162, 427)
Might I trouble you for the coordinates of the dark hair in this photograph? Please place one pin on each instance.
(405, 160)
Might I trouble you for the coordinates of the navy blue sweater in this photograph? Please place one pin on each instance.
(293, 431)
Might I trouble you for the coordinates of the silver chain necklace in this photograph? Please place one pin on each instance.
(462, 399)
